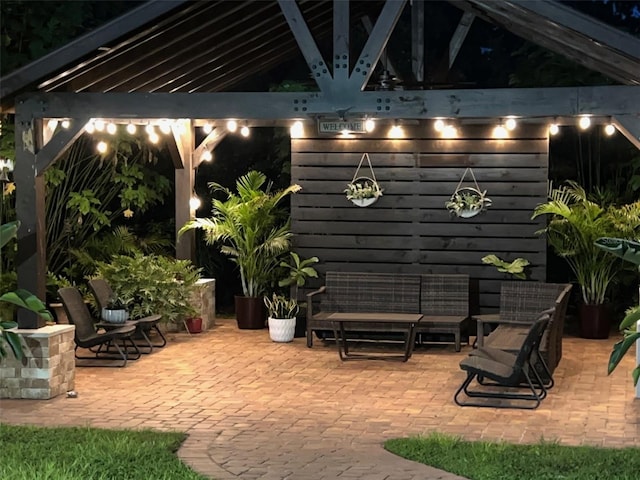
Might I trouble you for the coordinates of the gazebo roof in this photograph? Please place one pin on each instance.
(212, 46)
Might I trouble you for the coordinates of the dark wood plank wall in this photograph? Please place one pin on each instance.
(409, 229)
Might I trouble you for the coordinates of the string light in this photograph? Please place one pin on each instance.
(99, 124)
(296, 130)
(90, 127)
(154, 138)
(511, 123)
(554, 129)
(165, 127)
(52, 124)
(112, 129)
(232, 125)
(369, 125)
(102, 147)
(65, 124)
(194, 203)
(149, 129)
(585, 122)
(610, 129)
(439, 125)
(131, 129)
(500, 132)
(449, 131)
(244, 131)
(206, 156)
(207, 128)
(396, 132)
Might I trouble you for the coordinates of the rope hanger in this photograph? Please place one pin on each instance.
(468, 170)
(373, 175)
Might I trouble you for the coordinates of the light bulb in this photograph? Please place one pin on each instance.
(500, 132)
(610, 129)
(207, 128)
(149, 129)
(244, 131)
(131, 128)
(232, 125)
(369, 125)
(449, 131)
(99, 124)
(65, 124)
(154, 138)
(510, 123)
(165, 127)
(52, 124)
(206, 156)
(585, 122)
(396, 132)
(438, 125)
(554, 129)
(102, 147)
(296, 130)
(90, 127)
(111, 128)
(194, 203)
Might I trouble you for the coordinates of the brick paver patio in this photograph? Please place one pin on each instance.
(259, 410)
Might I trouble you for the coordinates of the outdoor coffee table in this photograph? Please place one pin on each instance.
(405, 322)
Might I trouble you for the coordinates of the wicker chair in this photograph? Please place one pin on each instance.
(508, 373)
(86, 336)
(520, 304)
(102, 292)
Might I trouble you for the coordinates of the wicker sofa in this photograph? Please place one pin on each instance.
(442, 299)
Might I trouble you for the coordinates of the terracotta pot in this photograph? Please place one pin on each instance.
(595, 321)
(194, 325)
(251, 313)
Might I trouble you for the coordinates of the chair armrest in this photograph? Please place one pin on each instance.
(310, 296)
(480, 321)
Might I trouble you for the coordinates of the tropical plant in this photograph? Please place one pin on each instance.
(575, 223)
(515, 268)
(468, 201)
(21, 298)
(298, 272)
(629, 251)
(363, 188)
(250, 227)
(152, 284)
(280, 306)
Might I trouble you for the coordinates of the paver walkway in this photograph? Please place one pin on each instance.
(255, 409)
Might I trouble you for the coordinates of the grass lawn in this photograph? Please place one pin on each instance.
(82, 453)
(497, 461)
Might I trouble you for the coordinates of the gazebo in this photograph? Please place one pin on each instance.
(175, 61)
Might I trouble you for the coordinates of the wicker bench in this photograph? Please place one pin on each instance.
(443, 300)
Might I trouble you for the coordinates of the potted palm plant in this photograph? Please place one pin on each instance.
(251, 227)
(575, 223)
(282, 317)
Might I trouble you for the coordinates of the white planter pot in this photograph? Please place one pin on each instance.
(282, 329)
(364, 202)
(114, 316)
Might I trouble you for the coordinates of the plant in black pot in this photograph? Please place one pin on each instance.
(252, 228)
(575, 223)
(298, 271)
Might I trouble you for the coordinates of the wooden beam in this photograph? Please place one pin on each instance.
(319, 69)
(376, 42)
(417, 40)
(59, 143)
(30, 211)
(282, 106)
(184, 185)
(209, 143)
(629, 126)
(385, 59)
(459, 35)
(178, 144)
(341, 41)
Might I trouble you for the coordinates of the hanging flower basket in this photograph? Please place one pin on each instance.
(466, 201)
(363, 191)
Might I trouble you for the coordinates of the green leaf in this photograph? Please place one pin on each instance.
(619, 349)
(636, 374)
(25, 299)
(13, 339)
(630, 319)
(8, 231)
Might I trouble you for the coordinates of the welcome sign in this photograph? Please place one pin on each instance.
(352, 126)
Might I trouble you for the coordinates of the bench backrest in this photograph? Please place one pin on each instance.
(371, 292)
(446, 295)
(523, 301)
